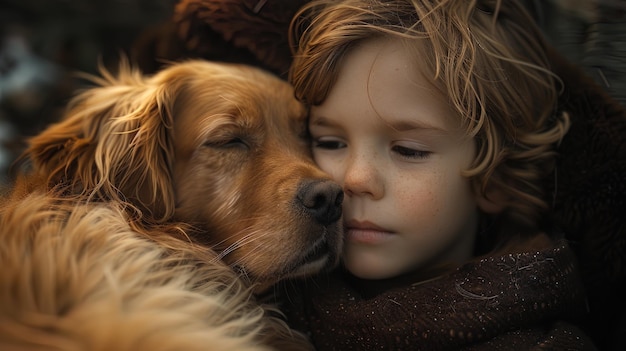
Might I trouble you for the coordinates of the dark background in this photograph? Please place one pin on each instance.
(44, 42)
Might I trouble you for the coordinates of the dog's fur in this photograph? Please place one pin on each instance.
(145, 219)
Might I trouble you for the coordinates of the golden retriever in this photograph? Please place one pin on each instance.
(149, 215)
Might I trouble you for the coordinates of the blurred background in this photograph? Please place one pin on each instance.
(42, 44)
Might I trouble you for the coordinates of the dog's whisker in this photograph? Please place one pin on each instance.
(261, 246)
(250, 237)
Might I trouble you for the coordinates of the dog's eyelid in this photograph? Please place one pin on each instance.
(234, 142)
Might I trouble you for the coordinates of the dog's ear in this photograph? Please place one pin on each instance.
(115, 143)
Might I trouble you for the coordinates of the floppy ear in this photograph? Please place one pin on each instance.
(114, 144)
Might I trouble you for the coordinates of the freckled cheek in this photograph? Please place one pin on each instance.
(418, 200)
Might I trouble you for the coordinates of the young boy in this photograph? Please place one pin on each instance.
(438, 118)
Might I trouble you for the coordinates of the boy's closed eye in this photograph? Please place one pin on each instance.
(410, 153)
(402, 151)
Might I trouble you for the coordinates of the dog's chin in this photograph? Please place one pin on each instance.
(320, 257)
(317, 260)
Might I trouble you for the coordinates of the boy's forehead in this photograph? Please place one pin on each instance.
(387, 61)
(384, 76)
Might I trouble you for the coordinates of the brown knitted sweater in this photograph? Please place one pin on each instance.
(510, 302)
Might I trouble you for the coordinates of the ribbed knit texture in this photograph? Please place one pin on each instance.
(517, 301)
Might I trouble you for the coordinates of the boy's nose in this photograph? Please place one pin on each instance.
(361, 178)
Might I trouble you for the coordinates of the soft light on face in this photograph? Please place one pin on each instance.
(390, 139)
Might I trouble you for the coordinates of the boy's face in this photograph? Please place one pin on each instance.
(390, 139)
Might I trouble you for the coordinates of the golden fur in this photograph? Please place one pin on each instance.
(145, 219)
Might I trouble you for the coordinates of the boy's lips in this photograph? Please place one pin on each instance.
(366, 232)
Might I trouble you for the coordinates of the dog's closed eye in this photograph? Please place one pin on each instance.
(227, 143)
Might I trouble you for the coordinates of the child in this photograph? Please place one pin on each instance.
(439, 119)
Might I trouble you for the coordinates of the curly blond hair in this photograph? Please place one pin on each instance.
(486, 56)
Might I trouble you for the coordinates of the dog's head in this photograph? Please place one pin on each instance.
(217, 146)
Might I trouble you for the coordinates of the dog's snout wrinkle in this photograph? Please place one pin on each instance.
(321, 199)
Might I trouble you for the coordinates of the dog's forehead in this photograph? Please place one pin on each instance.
(260, 100)
(274, 116)
(249, 111)
(232, 99)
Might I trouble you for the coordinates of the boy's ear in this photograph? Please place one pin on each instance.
(492, 200)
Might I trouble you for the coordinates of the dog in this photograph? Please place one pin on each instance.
(152, 214)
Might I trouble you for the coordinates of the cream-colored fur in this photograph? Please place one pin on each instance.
(77, 277)
(140, 211)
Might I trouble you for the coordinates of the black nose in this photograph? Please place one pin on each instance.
(321, 199)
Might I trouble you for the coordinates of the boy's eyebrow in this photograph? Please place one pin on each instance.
(399, 126)
(404, 126)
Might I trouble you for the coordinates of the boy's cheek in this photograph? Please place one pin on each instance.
(330, 166)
